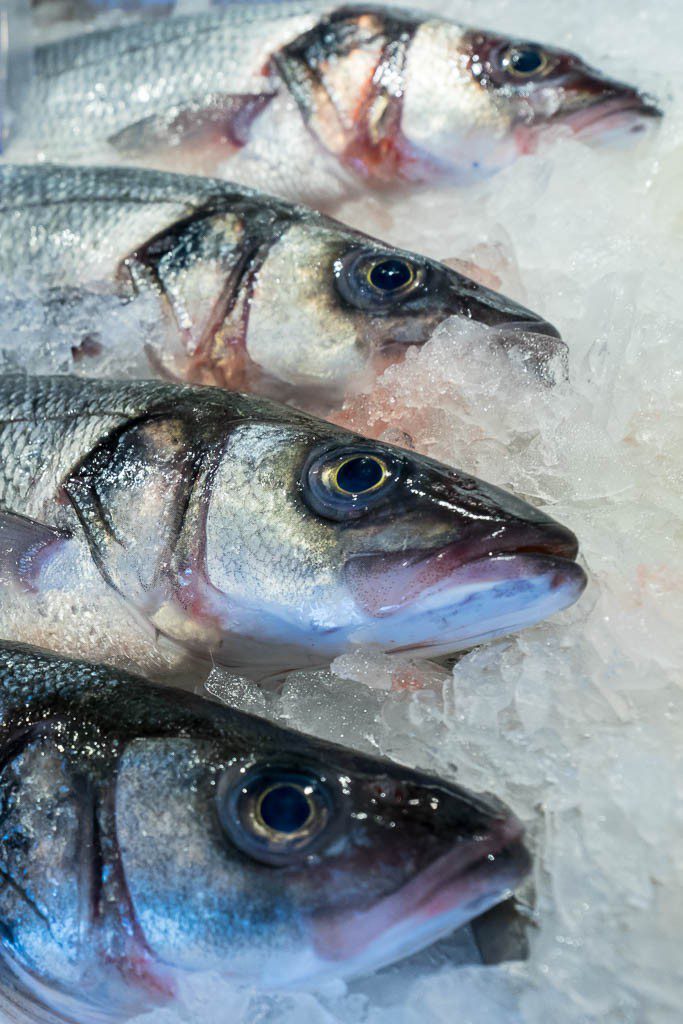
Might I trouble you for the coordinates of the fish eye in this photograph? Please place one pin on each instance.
(378, 282)
(275, 814)
(345, 483)
(524, 61)
(285, 808)
(391, 275)
(357, 474)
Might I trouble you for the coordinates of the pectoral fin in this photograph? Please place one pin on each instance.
(25, 544)
(225, 120)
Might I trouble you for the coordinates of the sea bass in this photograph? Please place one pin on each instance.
(149, 833)
(312, 100)
(146, 524)
(248, 292)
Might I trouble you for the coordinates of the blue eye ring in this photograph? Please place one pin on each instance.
(276, 814)
(524, 61)
(345, 483)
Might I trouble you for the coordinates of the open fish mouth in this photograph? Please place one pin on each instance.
(607, 116)
(458, 886)
(457, 595)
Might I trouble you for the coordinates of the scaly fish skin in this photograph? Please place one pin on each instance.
(148, 833)
(254, 294)
(313, 100)
(147, 525)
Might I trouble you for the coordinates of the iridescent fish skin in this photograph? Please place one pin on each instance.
(154, 526)
(313, 101)
(149, 834)
(249, 292)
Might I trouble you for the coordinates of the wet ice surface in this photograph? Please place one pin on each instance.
(91, 335)
(575, 723)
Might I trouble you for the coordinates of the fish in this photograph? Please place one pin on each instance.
(190, 836)
(313, 101)
(164, 528)
(249, 292)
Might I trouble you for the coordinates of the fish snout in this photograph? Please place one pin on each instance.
(518, 330)
(605, 107)
(547, 538)
(533, 325)
(543, 538)
(460, 875)
(384, 584)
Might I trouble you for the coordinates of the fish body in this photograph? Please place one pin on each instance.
(312, 100)
(149, 834)
(150, 525)
(245, 291)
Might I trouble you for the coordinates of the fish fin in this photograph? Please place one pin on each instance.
(225, 121)
(24, 546)
(26, 999)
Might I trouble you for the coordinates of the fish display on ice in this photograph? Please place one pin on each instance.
(149, 833)
(312, 100)
(164, 527)
(254, 294)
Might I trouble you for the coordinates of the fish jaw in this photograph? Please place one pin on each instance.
(450, 892)
(458, 596)
(621, 111)
(586, 104)
(457, 886)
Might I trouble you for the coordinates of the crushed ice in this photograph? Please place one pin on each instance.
(577, 722)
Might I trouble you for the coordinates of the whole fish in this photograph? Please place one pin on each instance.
(149, 833)
(312, 100)
(144, 524)
(253, 294)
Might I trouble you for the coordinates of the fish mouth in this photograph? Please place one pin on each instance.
(458, 886)
(408, 575)
(631, 113)
(449, 599)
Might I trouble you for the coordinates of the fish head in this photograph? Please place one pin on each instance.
(152, 834)
(283, 861)
(269, 540)
(287, 303)
(319, 541)
(331, 308)
(475, 100)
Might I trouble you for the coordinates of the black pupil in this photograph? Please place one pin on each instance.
(526, 61)
(359, 475)
(389, 275)
(285, 809)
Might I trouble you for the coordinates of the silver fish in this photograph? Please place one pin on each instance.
(147, 525)
(253, 294)
(148, 834)
(313, 100)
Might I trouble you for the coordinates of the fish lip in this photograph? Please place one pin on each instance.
(550, 542)
(485, 869)
(608, 108)
(390, 586)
